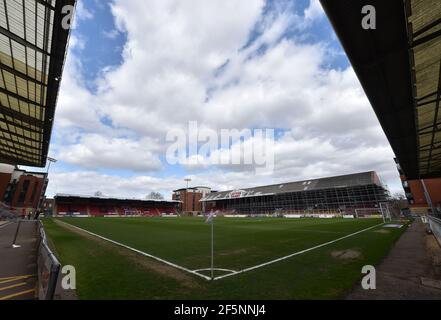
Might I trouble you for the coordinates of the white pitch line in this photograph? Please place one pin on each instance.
(139, 251)
(216, 269)
(5, 225)
(295, 254)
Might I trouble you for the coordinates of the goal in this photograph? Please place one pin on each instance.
(381, 212)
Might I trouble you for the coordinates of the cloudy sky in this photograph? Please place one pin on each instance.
(137, 69)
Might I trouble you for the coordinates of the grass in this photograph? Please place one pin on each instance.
(106, 272)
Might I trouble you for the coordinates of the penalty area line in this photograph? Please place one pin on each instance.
(296, 253)
(171, 264)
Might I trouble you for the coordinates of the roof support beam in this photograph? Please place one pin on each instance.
(22, 127)
(437, 163)
(427, 102)
(20, 116)
(19, 153)
(21, 41)
(22, 144)
(435, 120)
(427, 28)
(431, 158)
(19, 136)
(428, 96)
(47, 5)
(425, 39)
(4, 158)
(19, 97)
(437, 147)
(20, 74)
(423, 131)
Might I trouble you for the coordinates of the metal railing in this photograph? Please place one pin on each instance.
(435, 226)
(48, 267)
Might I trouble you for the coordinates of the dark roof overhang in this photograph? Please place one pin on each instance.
(398, 65)
(33, 45)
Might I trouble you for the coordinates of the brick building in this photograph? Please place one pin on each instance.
(20, 189)
(190, 199)
(423, 194)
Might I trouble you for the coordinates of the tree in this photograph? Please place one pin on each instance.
(154, 196)
(99, 194)
(398, 196)
(398, 202)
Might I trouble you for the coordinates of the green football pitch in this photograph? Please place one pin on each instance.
(170, 258)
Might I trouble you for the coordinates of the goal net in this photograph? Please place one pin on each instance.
(381, 212)
(368, 213)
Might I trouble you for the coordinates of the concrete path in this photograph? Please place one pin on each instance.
(18, 267)
(411, 271)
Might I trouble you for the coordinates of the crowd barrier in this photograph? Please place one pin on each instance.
(48, 267)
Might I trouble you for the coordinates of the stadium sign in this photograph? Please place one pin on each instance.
(237, 194)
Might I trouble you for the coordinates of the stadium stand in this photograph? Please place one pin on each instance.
(74, 205)
(334, 196)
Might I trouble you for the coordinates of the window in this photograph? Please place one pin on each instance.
(34, 192)
(23, 192)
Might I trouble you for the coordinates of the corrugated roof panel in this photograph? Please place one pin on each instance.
(27, 91)
(425, 20)
(358, 179)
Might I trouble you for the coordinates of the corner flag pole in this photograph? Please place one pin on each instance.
(210, 219)
(212, 249)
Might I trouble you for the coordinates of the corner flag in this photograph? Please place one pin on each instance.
(210, 217)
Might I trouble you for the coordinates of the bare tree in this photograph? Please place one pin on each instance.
(154, 196)
(397, 203)
(398, 196)
(99, 194)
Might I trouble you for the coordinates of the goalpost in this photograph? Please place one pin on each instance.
(367, 212)
(383, 212)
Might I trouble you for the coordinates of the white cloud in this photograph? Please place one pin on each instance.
(94, 151)
(171, 74)
(314, 11)
(112, 34)
(82, 12)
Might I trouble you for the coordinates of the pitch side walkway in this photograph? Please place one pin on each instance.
(18, 267)
(411, 271)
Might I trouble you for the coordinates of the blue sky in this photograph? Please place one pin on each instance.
(137, 70)
(103, 44)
